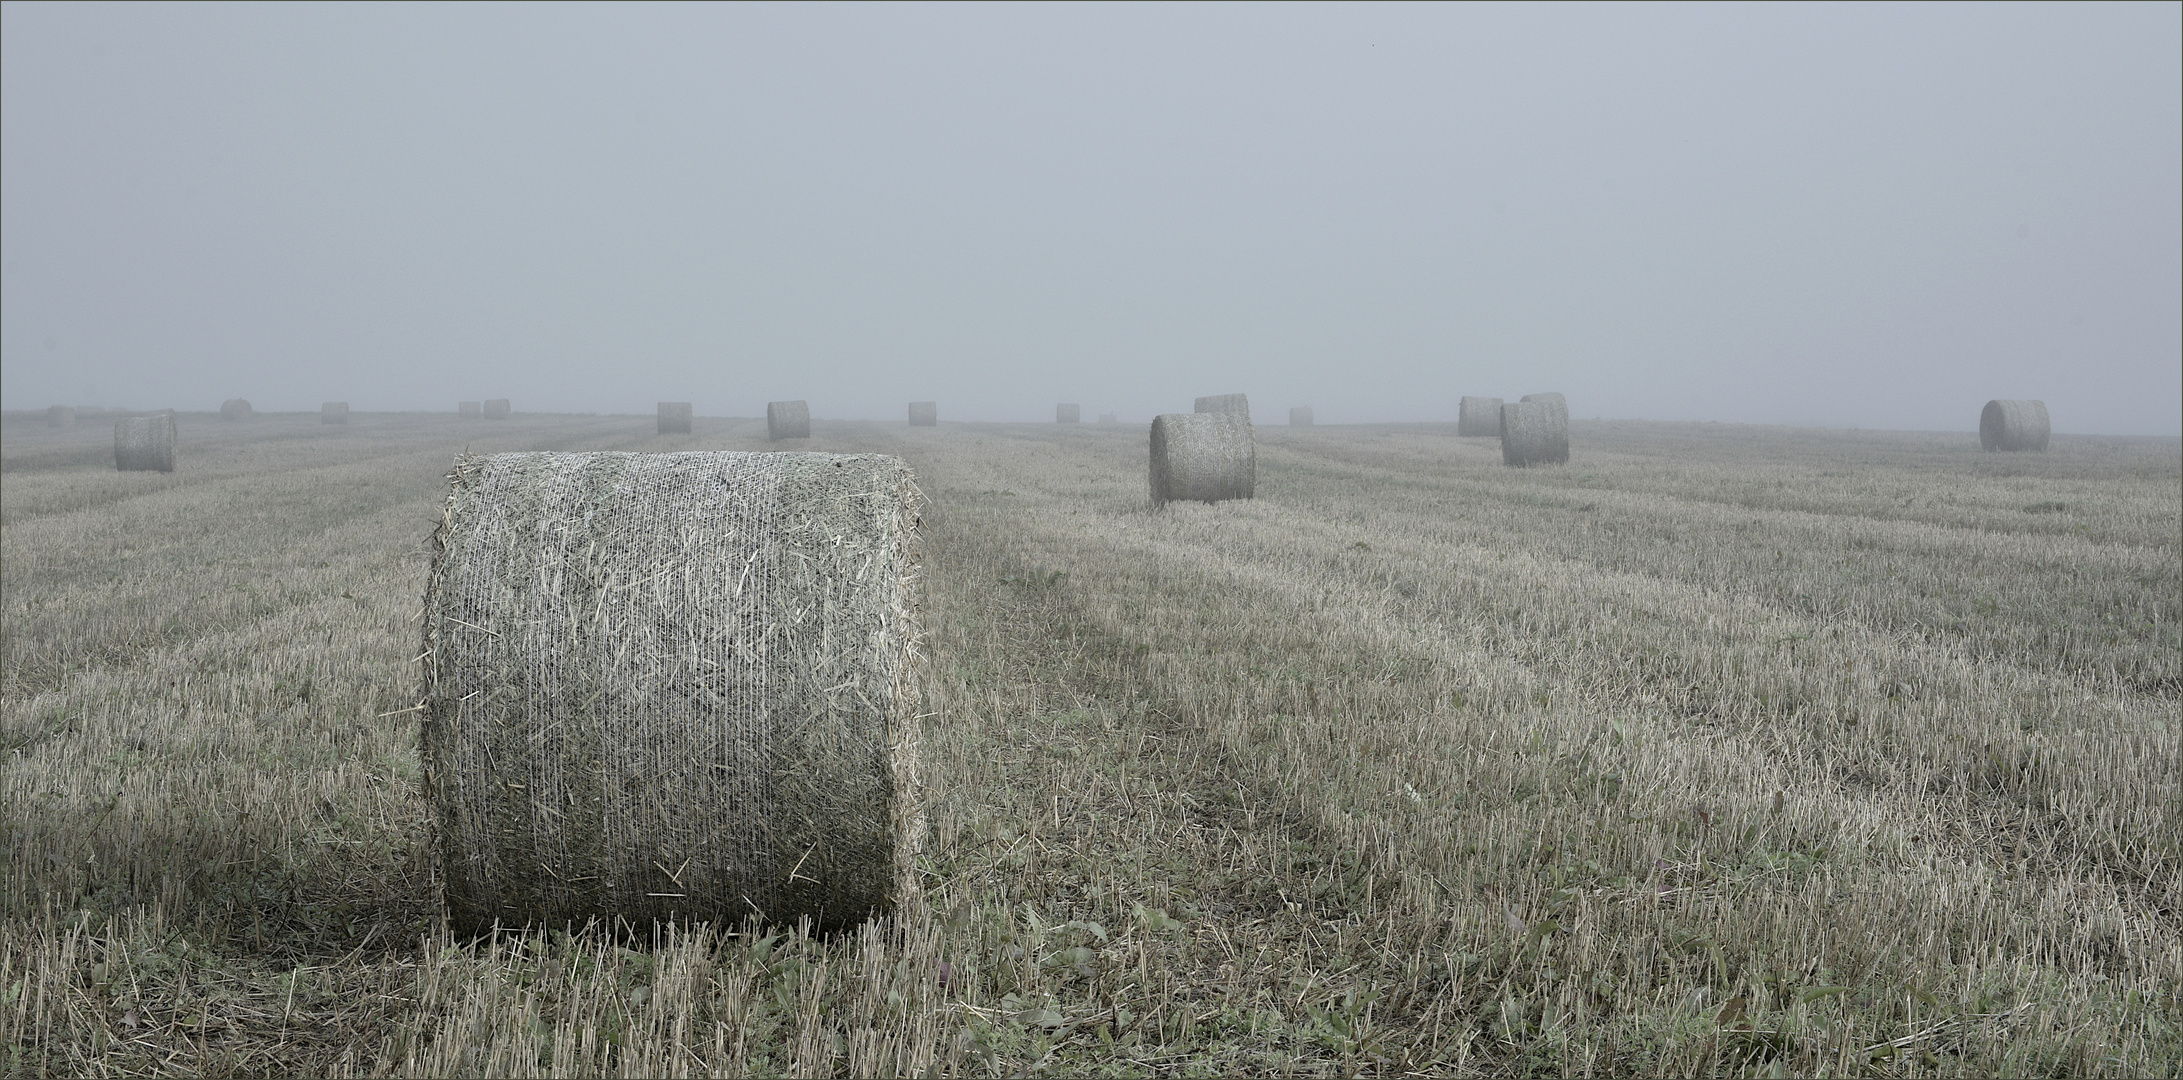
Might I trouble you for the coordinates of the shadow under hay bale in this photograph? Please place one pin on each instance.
(788, 420)
(2014, 425)
(497, 409)
(235, 409)
(1202, 457)
(145, 443)
(1534, 433)
(1068, 414)
(333, 412)
(1236, 404)
(1300, 416)
(674, 418)
(469, 410)
(60, 416)
(1478, 417)
(924, 414)
(673, 686)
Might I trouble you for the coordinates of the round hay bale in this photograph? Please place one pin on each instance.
(924, 414)
(333, 412)
(145, 443)
(1202, 457)
(674, 418)
(1560, 404)
(1300, 416)
(1068, 414)
(60, 416)
(235, 409)
(672, 686)
(1534, 433)
(1479, 416)
(1237, 404)
(469, 409)
(497, 408)
(788, 420)
(2014, 425)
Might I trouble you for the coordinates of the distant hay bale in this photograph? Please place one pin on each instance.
(674, 418)
(924, 414)
(1202, 457)
(1560, 404)
(1108, 418)
(2014, 425)
(672, 686)
(1068, 414)
(145, 443)
(60, 416)
(1236, 404)
(235, 409)
(1300, 416)
(1478, 416)
(1534, 433)
(333, 412)
(469, 409)
(788, 420)
(497, 408)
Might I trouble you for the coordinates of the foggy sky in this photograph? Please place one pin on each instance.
(1873, 216)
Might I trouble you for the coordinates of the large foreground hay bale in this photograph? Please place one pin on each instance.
(235, 409)
(469, 409)
(1300, 416)
(497, 408)
(1237, 404)
(788, 420)
(60, 416)
(1202, 457)
(674, 418)
(333, 412)
(672, 685)
(924, 414)
(1534, 433)
(145, 443)
(1068, 414)
(1478, 416)
(2014, 425)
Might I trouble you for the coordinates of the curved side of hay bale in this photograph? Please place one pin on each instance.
(788, 420)
(663, 686)
(1300, 416)
(60, 416)
(497, 409)
(144, 443)
(1560, 404)
(1202, 457)
(2014, 425)
(333, 412)
(1534, 433)
(1068, 414)
(235, 409)
(470, 409)
(924, 414)
(1478, 416)
(674, 418)
(1238, 404)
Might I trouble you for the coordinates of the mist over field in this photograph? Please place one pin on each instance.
(1835, 216)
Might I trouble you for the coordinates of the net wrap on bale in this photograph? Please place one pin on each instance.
(1237, 404)
(144, 443)
(673, 686)
(1068, 414)
(2014, 425)
(469, 409)
(1478, 416)
(1300, 416)
(674, 418)
(333, 412)
(788, 420)
(1202, 457)
(235, 409)
(1534, 433)
(924, 414)
(497, 409)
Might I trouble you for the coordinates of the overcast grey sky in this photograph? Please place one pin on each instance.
(1875, 216)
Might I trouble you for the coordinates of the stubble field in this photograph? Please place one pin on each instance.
(1723, 749)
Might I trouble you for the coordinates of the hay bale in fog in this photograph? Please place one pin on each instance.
(1478, 416)
(497, 409)
(235, 409)
(2014, 425)
(1300, 416)
(145, 443)
(788, 420)
(674, 418)
(672, 685)
(924, 414)
(1534, 433)
(1202, 457)
(1068, 414)
(60, 416)
(1108, 418)
(1560, 404)
(1237, 404)
(333, 412)
(469, 409)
